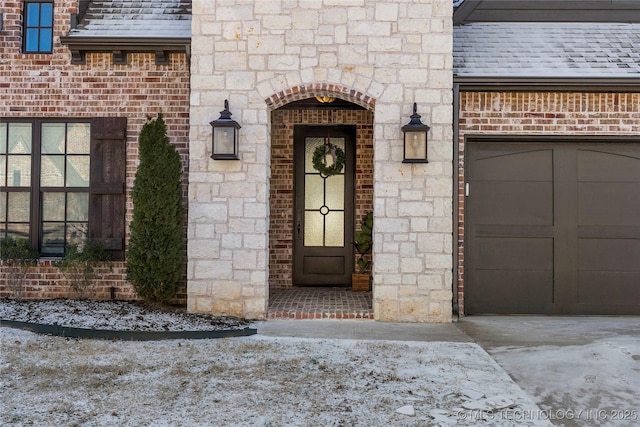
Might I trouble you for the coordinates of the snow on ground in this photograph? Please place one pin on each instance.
(251, 381)
(591, 384)
(112, 315)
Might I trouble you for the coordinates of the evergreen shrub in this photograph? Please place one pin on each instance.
(155, 258)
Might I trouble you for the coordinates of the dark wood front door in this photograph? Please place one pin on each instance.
(323, 209)
(552, 228)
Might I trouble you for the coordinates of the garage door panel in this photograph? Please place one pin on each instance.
(596, 287)
(603, 166)
(552, 230)
(514, 203)
(609, 254)
(507, 163)
(515, 230)
(515, 253)
(512, 291)
(613, 203)
(608, 232)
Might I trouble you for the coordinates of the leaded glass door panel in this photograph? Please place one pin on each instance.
(324, 205)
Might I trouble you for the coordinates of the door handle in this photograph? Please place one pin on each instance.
(299, 225)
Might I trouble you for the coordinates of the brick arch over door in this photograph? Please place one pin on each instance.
(310, 90)
(281, 194)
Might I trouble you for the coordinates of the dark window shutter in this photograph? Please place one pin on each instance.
(107, 184)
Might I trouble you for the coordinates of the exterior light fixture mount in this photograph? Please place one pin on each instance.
(415, 139)
(224, 142)
(325, 99)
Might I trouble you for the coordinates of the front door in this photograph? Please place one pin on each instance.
(324, 205)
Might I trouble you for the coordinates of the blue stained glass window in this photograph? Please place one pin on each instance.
(38, 30)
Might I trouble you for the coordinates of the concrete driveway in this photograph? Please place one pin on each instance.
(581, 371)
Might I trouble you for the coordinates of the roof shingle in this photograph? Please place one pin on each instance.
(571, 50)
(136, 18)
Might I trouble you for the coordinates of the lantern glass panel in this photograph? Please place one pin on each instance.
(415, 145)
(223, 138)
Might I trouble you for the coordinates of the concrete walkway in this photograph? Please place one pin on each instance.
(499, 331)
(579, 370)
(362, 330)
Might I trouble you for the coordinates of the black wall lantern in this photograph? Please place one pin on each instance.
(415, 139)
(224, 144)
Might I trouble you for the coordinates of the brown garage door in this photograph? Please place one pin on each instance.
(552, 228)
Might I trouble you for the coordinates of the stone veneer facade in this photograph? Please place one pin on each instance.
(381, 55)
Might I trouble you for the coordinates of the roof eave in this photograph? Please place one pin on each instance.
(618, 11)
(119, 46)
(555, 84)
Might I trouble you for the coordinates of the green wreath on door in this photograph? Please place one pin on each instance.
(320, 159)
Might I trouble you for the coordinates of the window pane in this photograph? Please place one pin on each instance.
(19, 171)
(3, 207)
(53, 206)
(53, 238)
(313, 228)
(77, 171)
(46, 41)
(52, 171)
(3, 170)
(77, 206)
(20, 138)
(313, 191)
(3, 138)
(78, 137)
(310, 146)
(335, 192)
(46, 15)
(32, 40)
(18, 231)
(33, 14)
(334, 232)
(77, 233)
(19, 207)
(53, 138)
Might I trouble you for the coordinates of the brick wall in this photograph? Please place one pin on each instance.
(45, 281)
(281, 188)
(47, 85)
(539, 113)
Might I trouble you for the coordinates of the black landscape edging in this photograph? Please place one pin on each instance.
(104, 334)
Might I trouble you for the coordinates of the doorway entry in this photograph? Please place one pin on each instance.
(323, 205)
(288, 125)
